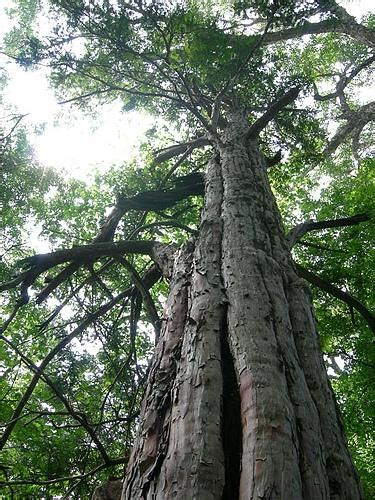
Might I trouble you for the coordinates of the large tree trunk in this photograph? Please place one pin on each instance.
(238, 404)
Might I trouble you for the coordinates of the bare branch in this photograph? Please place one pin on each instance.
(177, 149)
(280, 103)
(298, 231)
(117, 461)
(336, 292)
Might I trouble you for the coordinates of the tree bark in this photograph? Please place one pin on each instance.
(238, 403)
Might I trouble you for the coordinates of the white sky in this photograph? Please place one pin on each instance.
(68, 139)
(63, 136)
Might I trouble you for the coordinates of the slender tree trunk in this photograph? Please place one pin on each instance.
(238, 404)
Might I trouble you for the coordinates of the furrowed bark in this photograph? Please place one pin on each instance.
(240, 323)
(342, 477)
(179, 452)
(252, 260)
(150, 447)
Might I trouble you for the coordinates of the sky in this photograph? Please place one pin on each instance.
(62, 136)
(69, 140)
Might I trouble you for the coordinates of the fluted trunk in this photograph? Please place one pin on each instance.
(238, 404)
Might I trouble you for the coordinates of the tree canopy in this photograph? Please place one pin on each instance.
(79, 323)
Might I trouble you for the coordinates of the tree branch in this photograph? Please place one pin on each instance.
(79, 416)
(345, 80)
(150, 278)
(352, 29)
(355, 123)
(117, 461)
(280, 103)
(86, 253)
(165, 223)
(298, 231)
(163, 198)
(229, 84)
(147, 299)
(177, 149)
(336, 292)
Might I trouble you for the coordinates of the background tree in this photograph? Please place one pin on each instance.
(237, 402)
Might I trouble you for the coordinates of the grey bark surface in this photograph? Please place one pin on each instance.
(238, 403)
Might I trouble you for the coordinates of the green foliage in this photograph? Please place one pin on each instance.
(170, 58)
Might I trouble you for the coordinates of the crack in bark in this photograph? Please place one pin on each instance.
(231, 426)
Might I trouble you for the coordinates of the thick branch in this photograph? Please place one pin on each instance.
(348, 23)
(88, 253)
(178, 149)
(150, 200)
(162, 198)
(352, 29)
(336, 292)
(40, 263)
(280, 103)
(298, 231)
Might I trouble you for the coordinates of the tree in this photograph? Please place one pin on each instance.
(237, 402)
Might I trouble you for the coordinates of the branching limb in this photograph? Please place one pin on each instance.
(87, 253)
(336, 292)
(229, 84)
(5, 140)
(10, 318)
(351, 28)
(348, 23)
(162, 198)
(101, 246)
(274, 160)
(151, 200)
(164, 223)
(354, 125)
(40, 263)
(78, 416)
(150, 278)
(344, 81)
(319, 247)
(298, 231)
(51, 355)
